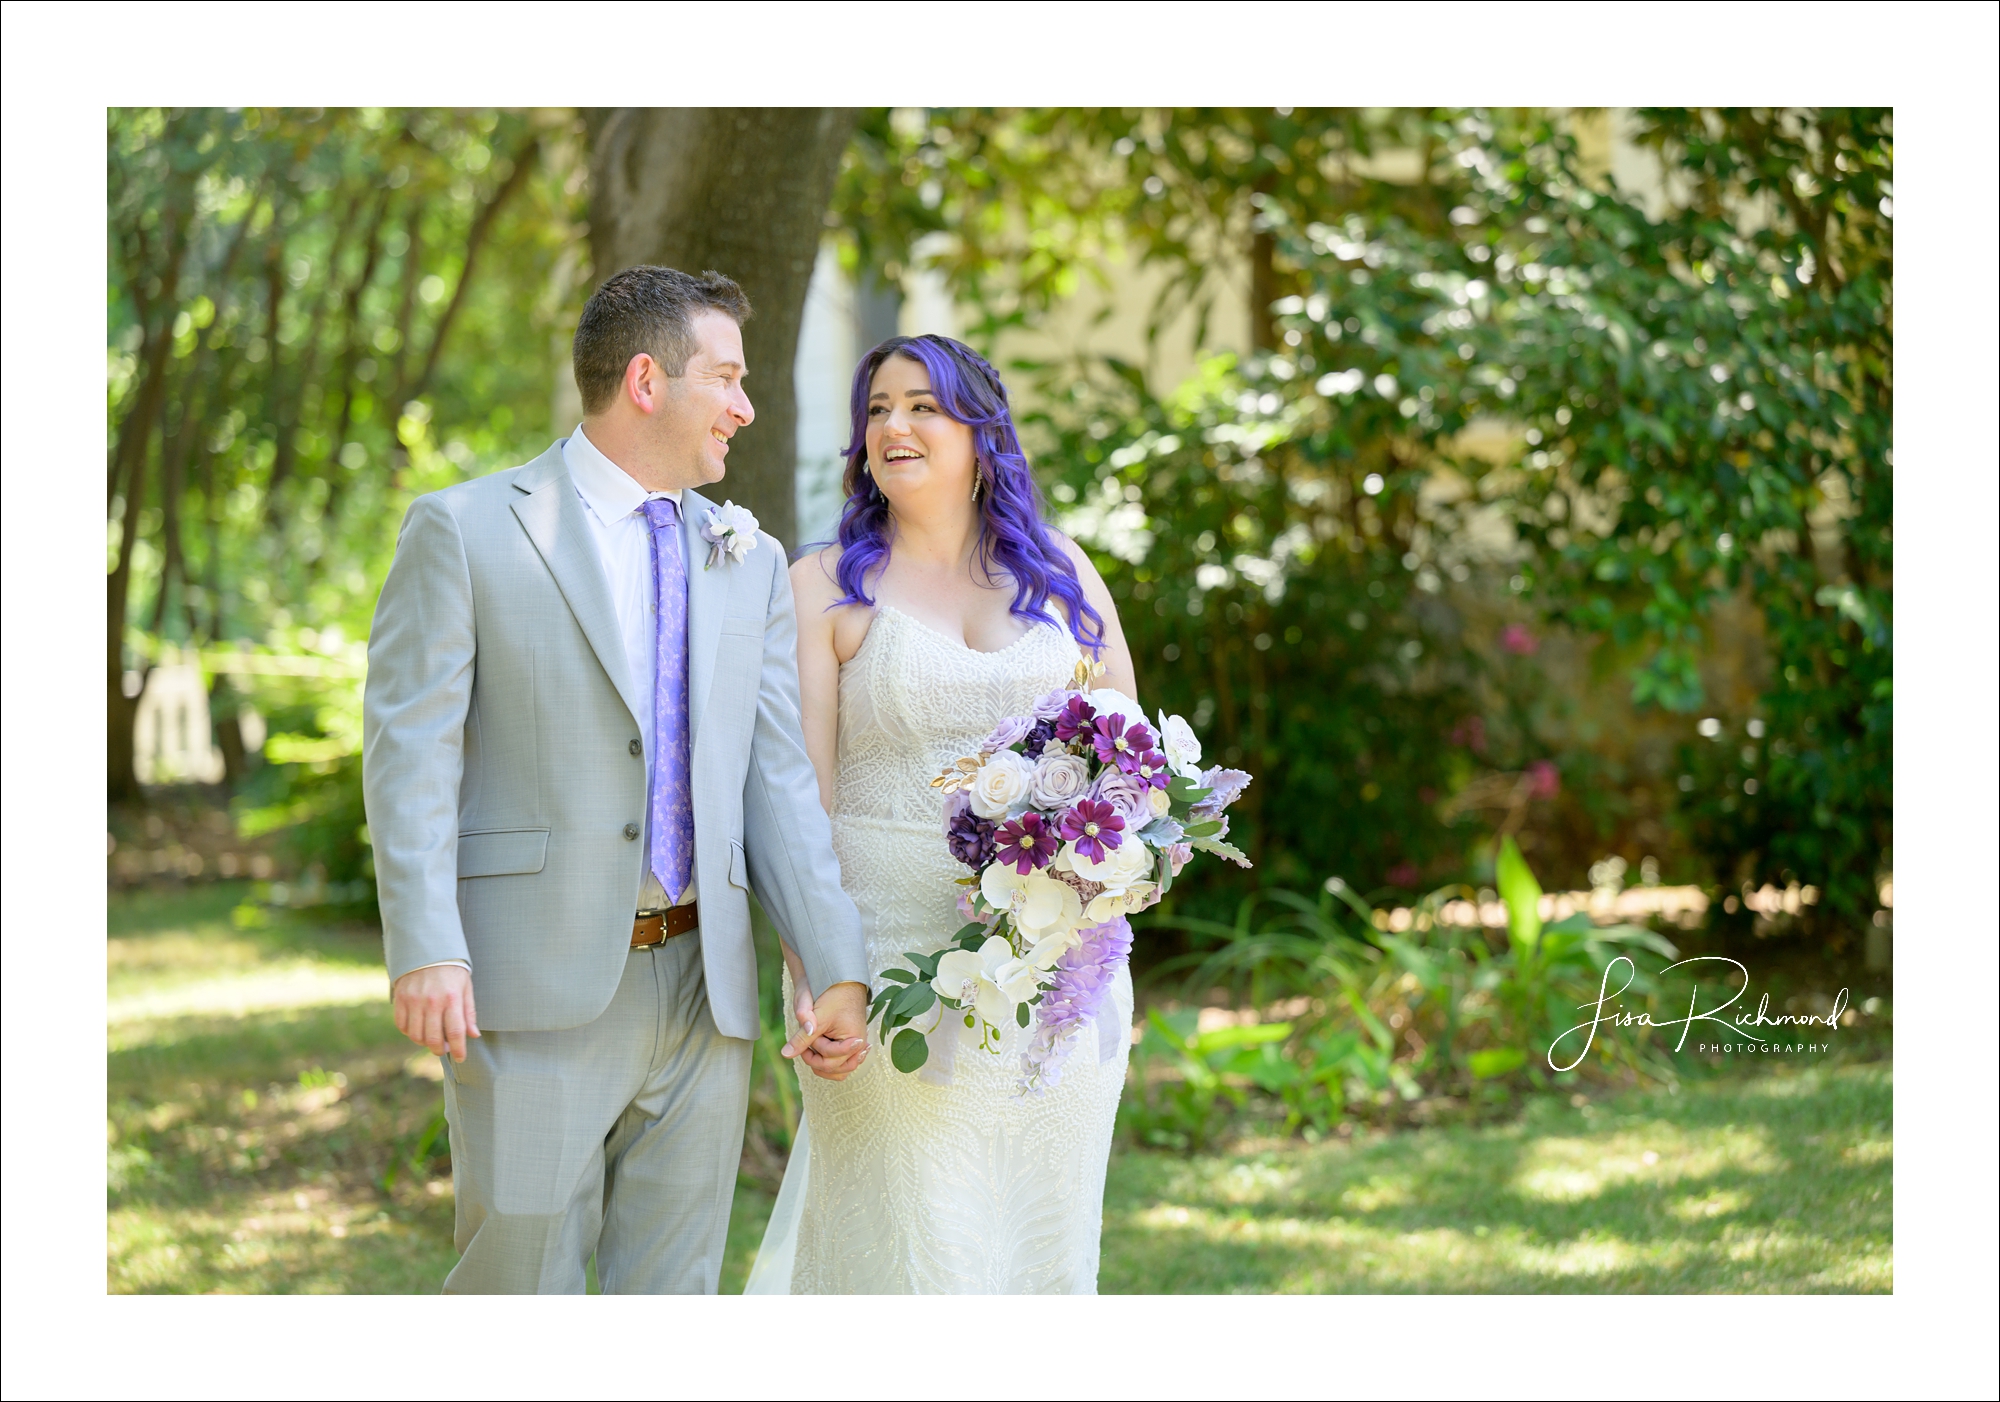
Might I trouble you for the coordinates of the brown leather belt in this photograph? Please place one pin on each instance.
(662, 926)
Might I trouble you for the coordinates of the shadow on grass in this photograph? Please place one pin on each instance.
(1777, 1183)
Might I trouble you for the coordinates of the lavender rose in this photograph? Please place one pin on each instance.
(1060, 780)
(1050, 705)
(1009, 731)
(1127, 794)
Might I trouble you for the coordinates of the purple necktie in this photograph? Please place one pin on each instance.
(670, 804)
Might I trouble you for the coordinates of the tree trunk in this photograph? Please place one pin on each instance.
(742, 190)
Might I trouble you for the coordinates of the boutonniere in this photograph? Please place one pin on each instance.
(730, 530)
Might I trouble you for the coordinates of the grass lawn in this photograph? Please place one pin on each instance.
(259, 1092)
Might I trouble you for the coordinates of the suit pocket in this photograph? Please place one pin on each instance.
(739, 871)
(503, 852)
(743, 628)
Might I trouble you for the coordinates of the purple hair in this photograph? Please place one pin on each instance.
(1013, 537)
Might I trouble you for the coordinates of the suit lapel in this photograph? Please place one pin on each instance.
(552, 514)
(708, 594)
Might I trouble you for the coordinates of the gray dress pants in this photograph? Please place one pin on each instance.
(620, 1137)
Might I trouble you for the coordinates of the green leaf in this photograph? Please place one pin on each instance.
(1229, 1038)
(974, 931)
(899, 976)
(1220, 849)
(915, 1000)
(1207, 829)
(1021, 1014)
(1497, 1062)
(1523, 895)
(909, 1051)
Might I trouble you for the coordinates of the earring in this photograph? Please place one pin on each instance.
(978, 480)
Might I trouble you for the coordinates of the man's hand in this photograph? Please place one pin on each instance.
(434, 1008)
(833, 1033)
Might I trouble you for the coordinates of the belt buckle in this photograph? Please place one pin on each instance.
(658, 920)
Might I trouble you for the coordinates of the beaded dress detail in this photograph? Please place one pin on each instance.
(902, 1185)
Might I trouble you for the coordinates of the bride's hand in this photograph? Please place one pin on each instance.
(802, 1005)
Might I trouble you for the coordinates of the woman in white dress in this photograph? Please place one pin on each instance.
(947, 605)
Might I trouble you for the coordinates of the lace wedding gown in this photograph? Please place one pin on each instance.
(945, 1181)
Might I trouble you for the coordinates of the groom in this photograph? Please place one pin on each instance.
(581, 752)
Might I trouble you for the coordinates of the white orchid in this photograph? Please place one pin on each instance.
(1183, 750)
(1123, 874)
(1040, 906)
(991, 980)
(1000, 789)
(729, 530)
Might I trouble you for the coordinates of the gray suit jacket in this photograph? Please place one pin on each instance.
(503, 771)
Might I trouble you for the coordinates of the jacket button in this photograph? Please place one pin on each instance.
(631, 832)
(635, 748)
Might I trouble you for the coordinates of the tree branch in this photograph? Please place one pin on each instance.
(482, 225)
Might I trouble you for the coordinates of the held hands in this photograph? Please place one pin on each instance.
(833, 1030)
(434, 1008)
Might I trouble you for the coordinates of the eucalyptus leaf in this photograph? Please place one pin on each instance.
(909, 1051)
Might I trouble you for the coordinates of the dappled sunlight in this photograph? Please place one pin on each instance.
(1580, 1258)
(1570, 1169)
(1714, 1189)
(1378, 1193)
(1869, 1151)
(1720, 1203)
(304, 985)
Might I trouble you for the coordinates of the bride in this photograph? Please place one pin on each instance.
(946, 605)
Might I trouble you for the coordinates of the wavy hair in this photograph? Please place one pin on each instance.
(1014, 539)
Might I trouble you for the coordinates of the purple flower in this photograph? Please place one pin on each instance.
(1094, 826)
(969, 836)
(1178, 856)
(1075, 719)
(1035, 739)
(1009, 731)
(1151, 769)
(1026, 843)
(1116, 744)
(1050, 704)
(1126, 795)
(1083, 978)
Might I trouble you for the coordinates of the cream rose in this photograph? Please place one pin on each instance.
(1000, 789)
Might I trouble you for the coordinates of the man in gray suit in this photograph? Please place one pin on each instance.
(581, 753)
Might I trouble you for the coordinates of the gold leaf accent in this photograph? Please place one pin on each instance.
(959, 773)
(1087, 672)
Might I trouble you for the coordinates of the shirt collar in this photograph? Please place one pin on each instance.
(605, 487)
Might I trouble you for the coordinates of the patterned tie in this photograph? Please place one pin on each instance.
(669, 805)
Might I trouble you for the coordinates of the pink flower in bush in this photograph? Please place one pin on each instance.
(1518, 640)
(1543, 780)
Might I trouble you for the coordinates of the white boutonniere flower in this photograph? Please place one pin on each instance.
(730, 530)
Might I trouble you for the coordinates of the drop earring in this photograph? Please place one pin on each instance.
(978, 480)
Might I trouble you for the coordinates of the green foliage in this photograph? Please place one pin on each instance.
(1495, 382)
(314, 315)
(1703, 405)
(1373, 1017)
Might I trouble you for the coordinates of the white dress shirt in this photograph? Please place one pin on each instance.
(611, 504)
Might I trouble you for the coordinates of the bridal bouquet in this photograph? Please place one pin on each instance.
(1071, 818)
